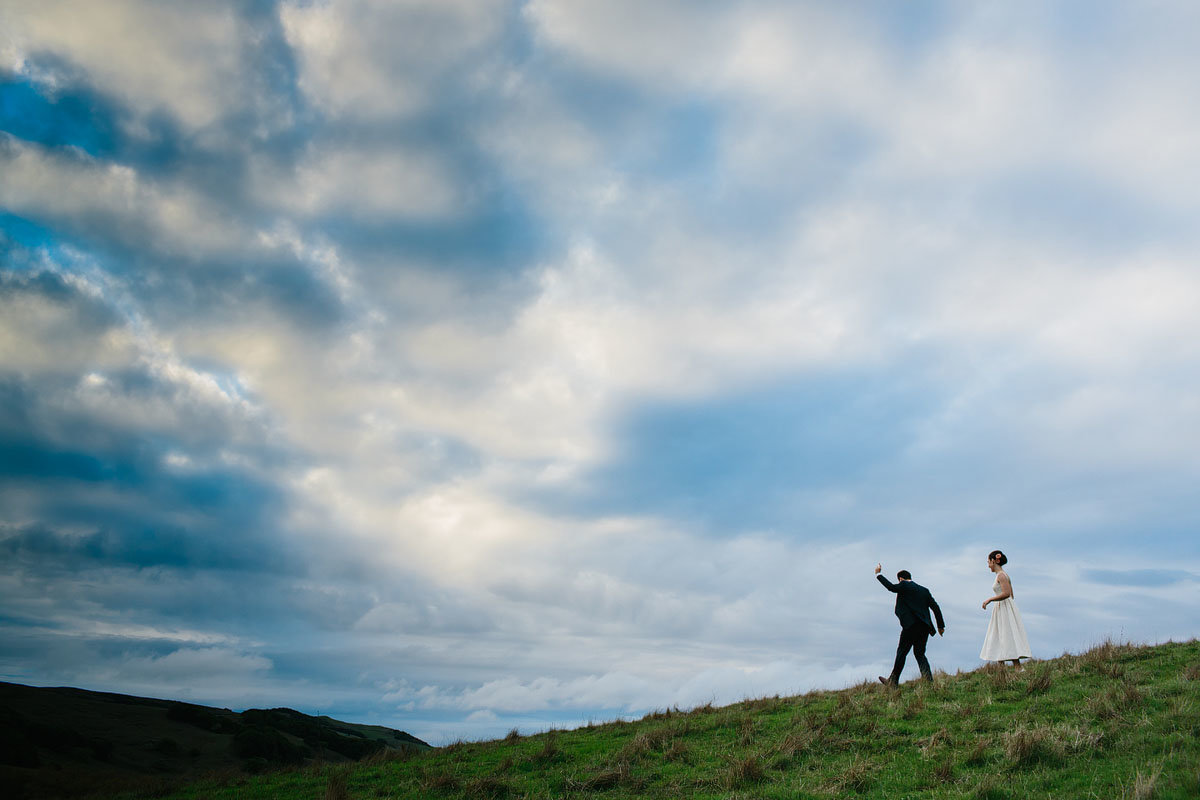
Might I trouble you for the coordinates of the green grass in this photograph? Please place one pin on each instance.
(1118, 721)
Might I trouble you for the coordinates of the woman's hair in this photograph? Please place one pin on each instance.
(1001, 559)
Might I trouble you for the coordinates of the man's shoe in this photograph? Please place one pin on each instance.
(887, 682)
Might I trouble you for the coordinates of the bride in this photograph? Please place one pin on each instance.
(1005, 639)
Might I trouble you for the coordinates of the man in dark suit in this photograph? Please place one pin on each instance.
(913, 602)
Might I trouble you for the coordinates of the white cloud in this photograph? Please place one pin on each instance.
(378, 183)
(482, 717)
(132, 632)
(368, 59)
(613, 690)
(74, 189)
(195, 666)
(79, 341)
(648, 41)
(188, 59)
(560, 162)
(767, 54)
(597, 336)
(41, 332)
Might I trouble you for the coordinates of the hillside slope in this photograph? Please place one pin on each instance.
(63, 741)
(1118, 721)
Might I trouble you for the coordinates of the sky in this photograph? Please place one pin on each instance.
(465, 365)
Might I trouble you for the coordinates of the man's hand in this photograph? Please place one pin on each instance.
(878, 568)
(941, 631)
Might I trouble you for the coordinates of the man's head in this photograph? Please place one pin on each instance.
(904, 575)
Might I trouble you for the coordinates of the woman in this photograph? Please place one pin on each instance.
(1006, 639)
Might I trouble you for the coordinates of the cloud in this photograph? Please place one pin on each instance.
(485, 716)
(608, 691)
(385, 184)
(90, 195)
(195, 665)
(189, 62)
(95, 358)
(50, 321)
(370, 60)
(1138, 577)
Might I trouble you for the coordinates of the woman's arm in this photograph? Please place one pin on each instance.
(1005, 589)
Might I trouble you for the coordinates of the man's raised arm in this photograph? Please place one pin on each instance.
(891, 587)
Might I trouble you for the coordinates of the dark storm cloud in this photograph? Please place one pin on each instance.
(121, 504)
(148, 547)
(106, 477)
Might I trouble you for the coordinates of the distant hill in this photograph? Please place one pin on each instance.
(65, 742)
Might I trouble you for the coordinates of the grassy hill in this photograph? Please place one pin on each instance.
(1118, 721)
(61, 742)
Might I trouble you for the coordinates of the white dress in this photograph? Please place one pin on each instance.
(1006, 637)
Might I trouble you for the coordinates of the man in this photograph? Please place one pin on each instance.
(913, 602)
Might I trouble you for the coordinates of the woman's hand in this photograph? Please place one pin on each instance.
(985, 602)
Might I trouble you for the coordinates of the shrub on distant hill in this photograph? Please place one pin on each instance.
(315, 733)
(16, 750)
(202, 718)
(20, 738)
(258, 741)
(102, 749)
(167, 747)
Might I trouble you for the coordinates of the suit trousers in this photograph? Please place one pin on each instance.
(914, 638)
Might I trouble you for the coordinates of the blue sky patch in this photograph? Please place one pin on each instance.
(71, 118)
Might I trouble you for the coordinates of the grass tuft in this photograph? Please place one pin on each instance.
(1026, 746)
(677, 751)
(931, 743)
(743, 772)
(442, 782)
(335, 787)
(550, 750)
(1040, 683)
(620, 775)
(486, 788)
(1104, 659)
(855, 778)
(988, 789)
(745, 731)
(978, 753)
(944, 772)
(914, 707)
(1145, 784)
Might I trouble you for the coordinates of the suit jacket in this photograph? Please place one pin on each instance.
(913, 602)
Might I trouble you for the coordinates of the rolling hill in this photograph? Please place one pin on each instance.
(66, 742)
(1117, 721)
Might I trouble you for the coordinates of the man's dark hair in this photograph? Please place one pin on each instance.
(1001, 559)
(904, 575)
